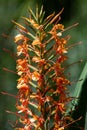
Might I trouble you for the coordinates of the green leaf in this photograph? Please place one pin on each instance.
(23, 29)
(33, 15)
(78, 90)
(32, 67)
(34, 85)
(41, 15)
(30, 24)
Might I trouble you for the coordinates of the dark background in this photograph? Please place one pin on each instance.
(74, 11)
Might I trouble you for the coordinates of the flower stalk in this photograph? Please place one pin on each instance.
(43, 95)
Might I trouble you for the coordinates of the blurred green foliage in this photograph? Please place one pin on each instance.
(74, 11)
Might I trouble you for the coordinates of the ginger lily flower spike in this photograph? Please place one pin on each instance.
(43, 95)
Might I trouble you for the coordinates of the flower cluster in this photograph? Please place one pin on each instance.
(42, 85)
(23, 82)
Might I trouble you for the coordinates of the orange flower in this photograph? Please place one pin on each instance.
(36, 59)
(61, 128)
(24, 79)
(36, 42)
(61, 58)
(62, 81)
(22, 86)
(58, 69)
(35, 76)
(22, 66)
(56, 28)
(61, 49)
(61, 107)
(39, 60)
(19, 38)
(19, 129)
(34, 23)
(22, 49)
